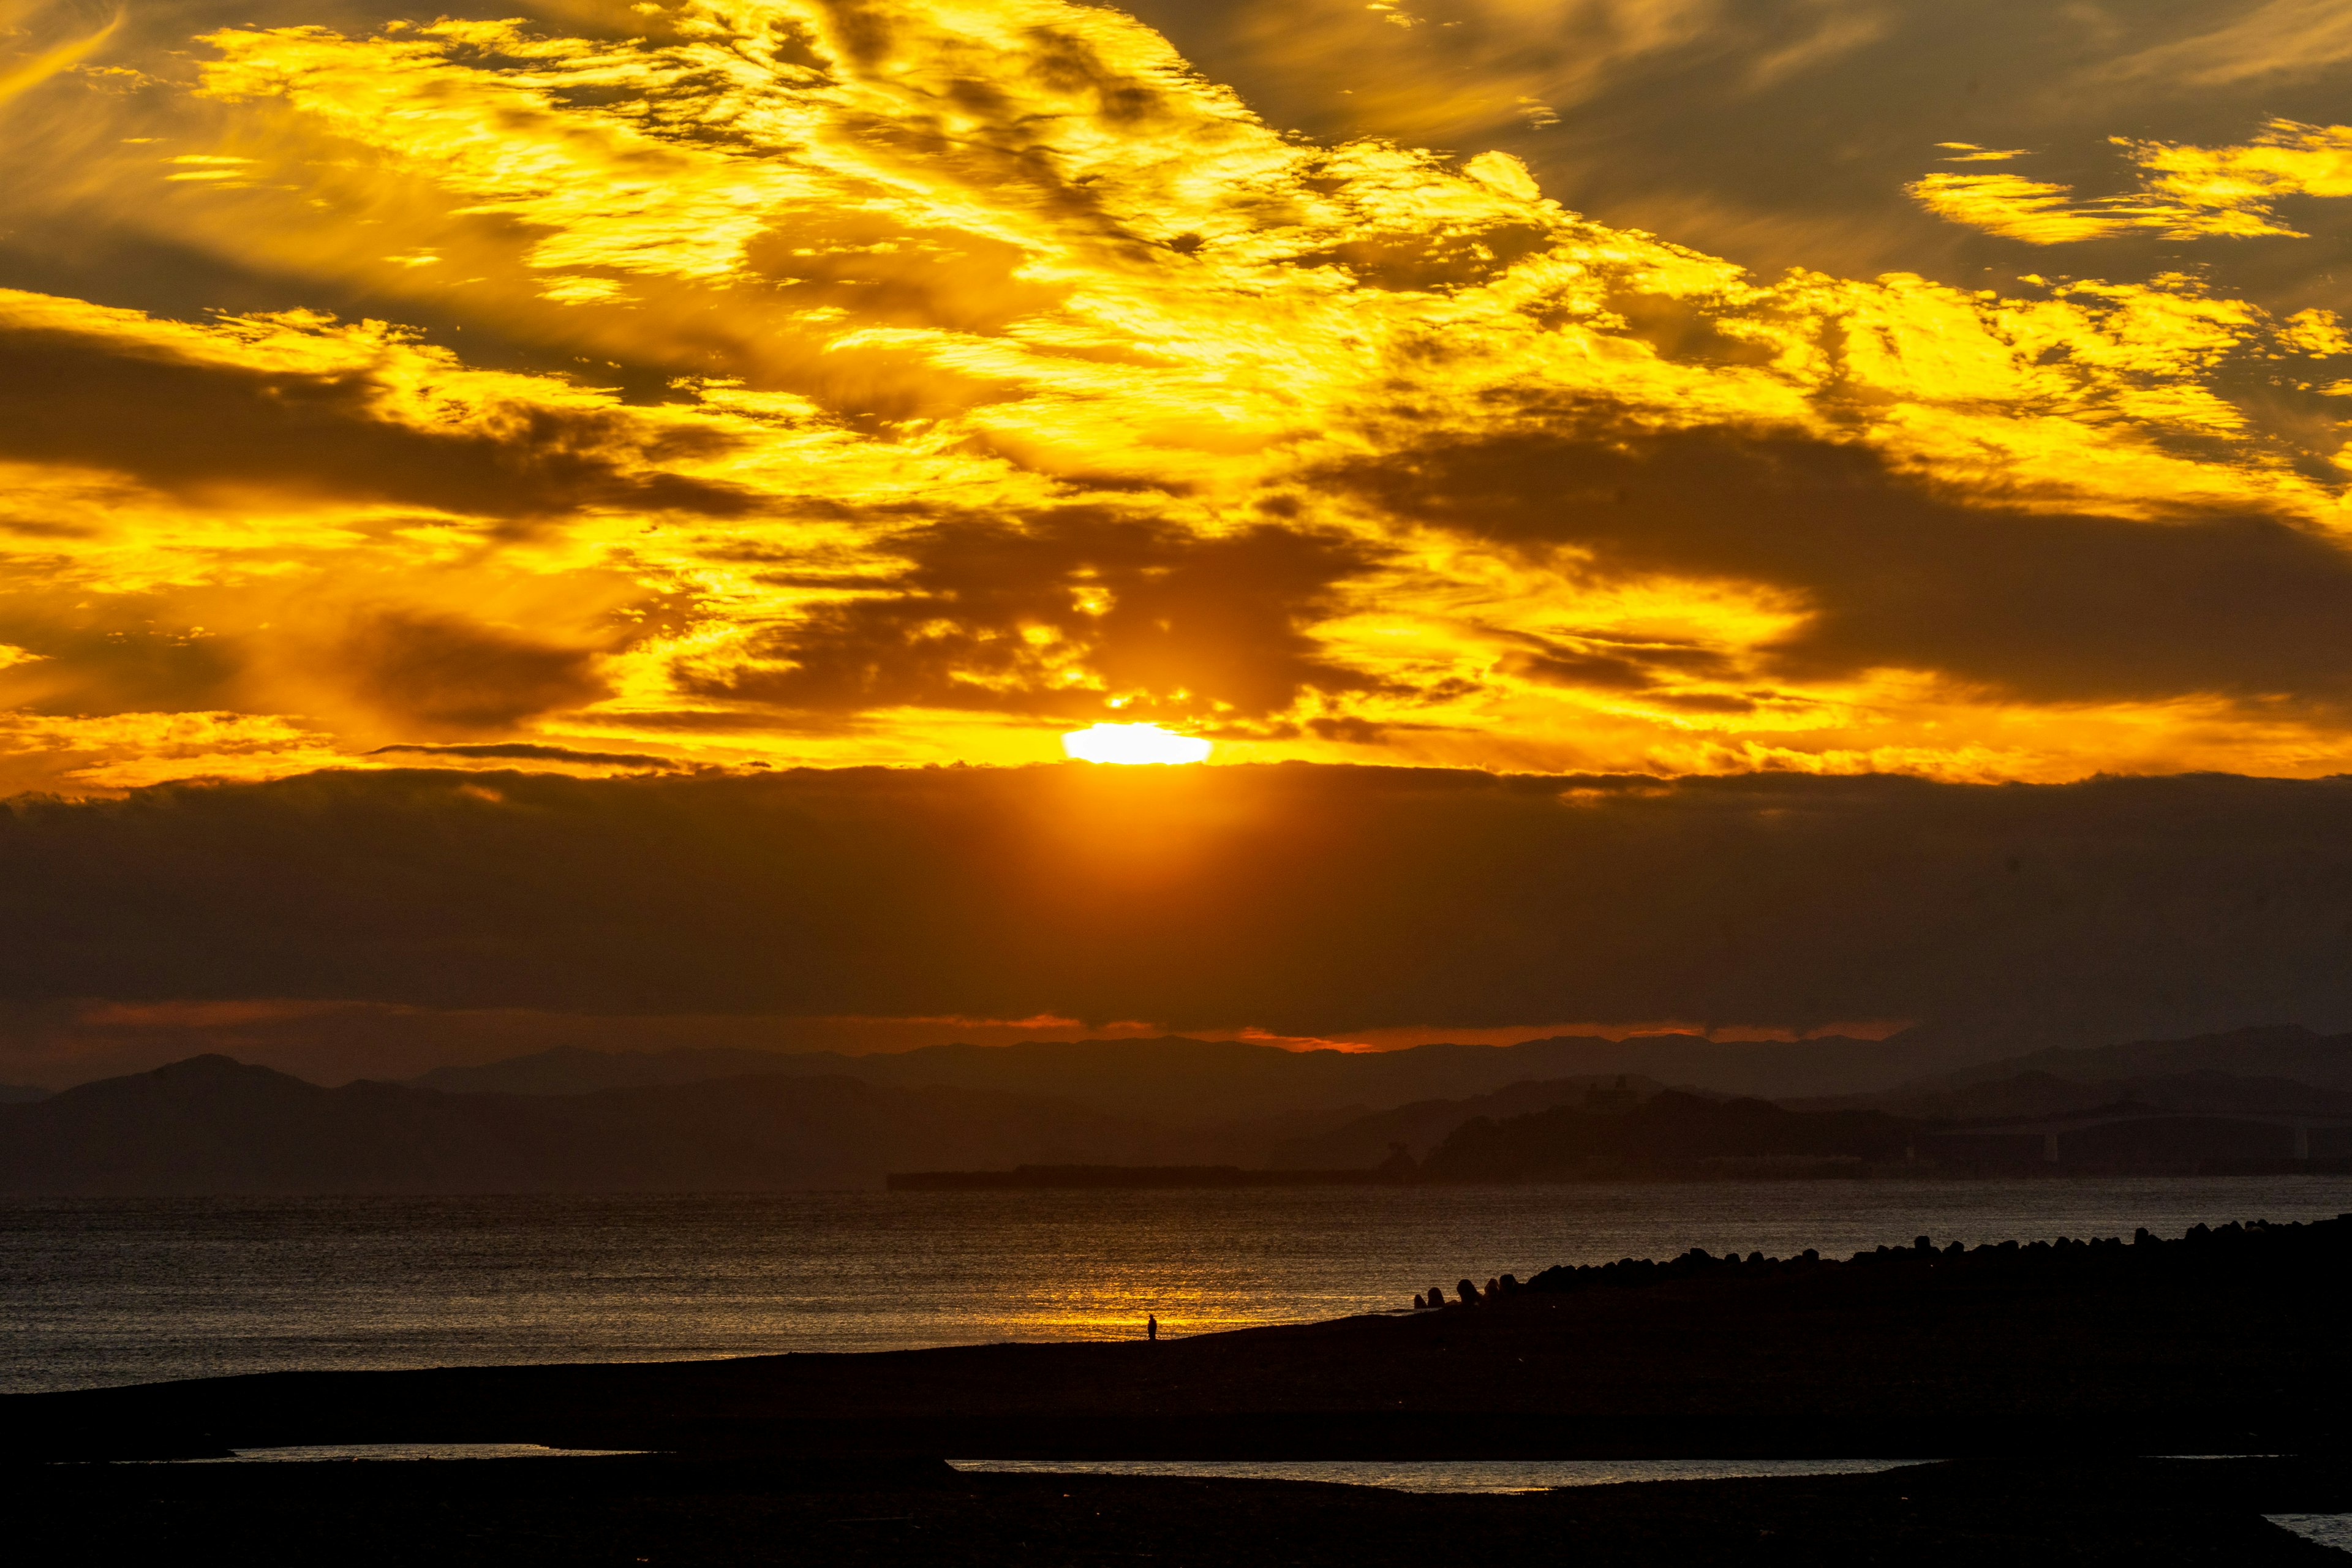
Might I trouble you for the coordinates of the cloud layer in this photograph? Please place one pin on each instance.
(466, 913)
(810, 381)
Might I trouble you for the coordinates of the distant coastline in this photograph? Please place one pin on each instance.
(1136, 1176)
(1766, 1168)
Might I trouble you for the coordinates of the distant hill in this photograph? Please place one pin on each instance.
(211, 1125)
(1201, 1083)
(2288, 1052)
(21, 1093)
(1424, 1124)
(574, 1069)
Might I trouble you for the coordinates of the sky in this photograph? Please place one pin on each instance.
(1670, 390)
(1669, 386)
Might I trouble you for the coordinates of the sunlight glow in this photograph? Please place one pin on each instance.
(1133, 743)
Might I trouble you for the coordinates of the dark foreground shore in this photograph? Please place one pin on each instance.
(718, 1511)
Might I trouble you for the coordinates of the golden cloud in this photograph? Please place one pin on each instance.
(816, 381)
(2185, 192)
(39, 41)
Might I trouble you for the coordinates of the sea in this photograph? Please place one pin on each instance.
(109, 1291)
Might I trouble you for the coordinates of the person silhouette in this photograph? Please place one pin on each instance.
(1151, 1329)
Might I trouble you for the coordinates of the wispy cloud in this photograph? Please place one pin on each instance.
(2185, 192)
(48, 40)
(2280, 39)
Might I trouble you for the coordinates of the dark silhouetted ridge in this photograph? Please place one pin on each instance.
(2288, 1052)
(1179, 1080)
(212, 1125)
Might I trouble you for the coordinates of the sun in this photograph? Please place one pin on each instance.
(1133, 743)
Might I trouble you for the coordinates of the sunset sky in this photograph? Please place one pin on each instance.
(1649, 387)
(1663, 386)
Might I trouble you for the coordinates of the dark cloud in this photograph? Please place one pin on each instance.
(184, 427)
(442, 674)
(526, 751)
(2046, 607)
(1611, 664)
(451, 674)
(989, 615)
(100, 657)
(1416, 259)
(159, 276)
(1297, 898)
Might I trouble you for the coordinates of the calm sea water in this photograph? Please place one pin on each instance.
(115, 1291)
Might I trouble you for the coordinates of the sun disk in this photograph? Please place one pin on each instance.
(1133, 743)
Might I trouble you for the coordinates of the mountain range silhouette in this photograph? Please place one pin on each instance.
(697, 1122)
